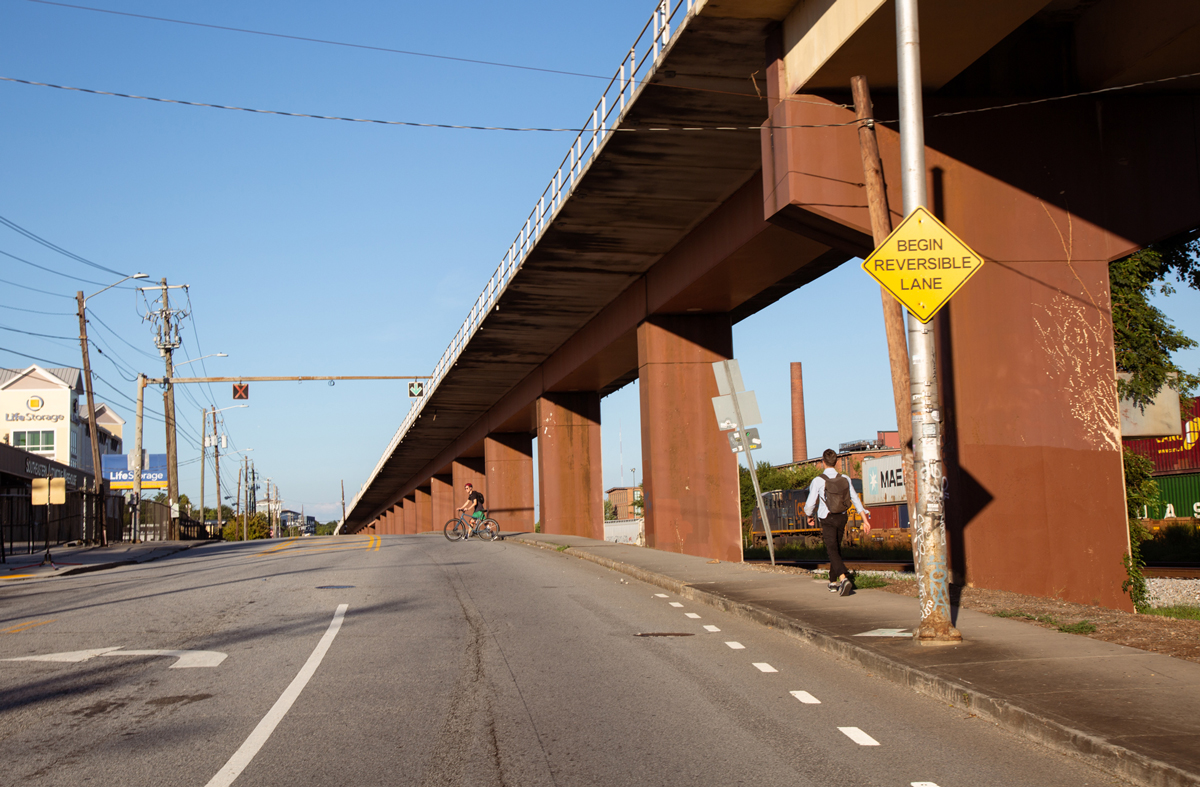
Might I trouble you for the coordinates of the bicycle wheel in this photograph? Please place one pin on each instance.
(490, 529)
(454, 530)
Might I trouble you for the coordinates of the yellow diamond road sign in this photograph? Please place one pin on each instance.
(922, 263)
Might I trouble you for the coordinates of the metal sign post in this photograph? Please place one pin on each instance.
(733, 391)
(929, 541)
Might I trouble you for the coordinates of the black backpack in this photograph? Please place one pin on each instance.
(837, 494)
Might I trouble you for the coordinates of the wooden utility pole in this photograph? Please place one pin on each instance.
(168, 347)
(217, 473)
(237, 511)
(96, 518)
(137, 459)
(203, 460)
(893, 312)
(343, 500)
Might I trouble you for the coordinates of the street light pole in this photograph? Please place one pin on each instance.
(929, 540)
(97, 488)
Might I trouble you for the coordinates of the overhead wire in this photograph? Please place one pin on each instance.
(36, 311)
(53, 247)
(56, 273)
(35, 289)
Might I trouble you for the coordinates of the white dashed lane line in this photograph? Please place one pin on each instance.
(858, 736)
(736, 645)
(923, 784)
(806, 698)
(764, 667)
(692, 615)
(711, 628)
(676, 604)
(660, 595)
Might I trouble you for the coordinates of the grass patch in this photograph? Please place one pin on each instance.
(1082, 627)
(561, 548)
(1178, 611)
(865, 581)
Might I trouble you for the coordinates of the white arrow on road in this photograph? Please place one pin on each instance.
(186, 658)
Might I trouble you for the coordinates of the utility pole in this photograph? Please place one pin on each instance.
(929, 541)
(344, 499)
(137, 458)
(95, 435)
(237, 511)
(893, 312)
(217, 473)
(203, 459)
(167, 340)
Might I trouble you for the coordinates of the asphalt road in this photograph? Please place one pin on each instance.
(450, 664)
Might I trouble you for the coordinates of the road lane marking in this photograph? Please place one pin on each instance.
(736, 645)
(660, 595)
(711, 628)
(858, 736)
(378, 542)
(19, 576)
(186, 658)
(691, 615)
(805, 697)
(70, 657)
(764, 667)
(26, 626)
(923, 784)
(242, 757)
(676, 604)
(277, 548)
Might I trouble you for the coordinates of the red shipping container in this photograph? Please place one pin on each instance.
(1174, 454)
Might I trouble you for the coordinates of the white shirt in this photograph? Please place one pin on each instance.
(816, 494)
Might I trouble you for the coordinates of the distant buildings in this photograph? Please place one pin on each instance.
(626, 501)
(45, 413)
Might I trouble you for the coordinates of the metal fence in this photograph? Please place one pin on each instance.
(26, 528)
(632, 75)
(155, 525)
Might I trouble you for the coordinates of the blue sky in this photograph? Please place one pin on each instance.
(322, 247)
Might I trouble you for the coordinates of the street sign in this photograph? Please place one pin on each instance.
(751, 437)
(726, 416)
(922, 263)
(735, 371)
(241, 390)
(49, 491)
(416, 390)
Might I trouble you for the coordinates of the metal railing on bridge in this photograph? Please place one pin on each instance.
(631, 76)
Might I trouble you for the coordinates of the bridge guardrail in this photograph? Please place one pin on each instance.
(631, 76)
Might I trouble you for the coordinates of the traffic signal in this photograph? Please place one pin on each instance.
(241, 390)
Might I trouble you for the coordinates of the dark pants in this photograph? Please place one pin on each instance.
(833, 527)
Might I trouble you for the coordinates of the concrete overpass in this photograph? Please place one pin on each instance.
(648, 244)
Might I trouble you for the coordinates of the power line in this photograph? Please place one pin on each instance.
(32, 333)
(35, 311)
(57, 273)
(35, 289)
(53, 247)
(414, 124)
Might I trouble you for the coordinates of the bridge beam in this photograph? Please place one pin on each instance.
(570, 478)
(508, 458)
(689, 473)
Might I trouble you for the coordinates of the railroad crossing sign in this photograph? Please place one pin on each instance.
(241, 390)
(922, 263)
(416, 390)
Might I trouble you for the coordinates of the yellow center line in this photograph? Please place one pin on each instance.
(19, 576)
(26, 626)
(295, 545)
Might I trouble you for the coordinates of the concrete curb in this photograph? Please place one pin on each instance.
(1101, 753)
(118, 563)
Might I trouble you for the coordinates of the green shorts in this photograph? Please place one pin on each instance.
(477, 515)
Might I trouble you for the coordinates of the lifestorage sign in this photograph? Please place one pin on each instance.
(119, 476)
(922, 263)
(883, 481)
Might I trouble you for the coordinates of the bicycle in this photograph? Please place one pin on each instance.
(462, 528)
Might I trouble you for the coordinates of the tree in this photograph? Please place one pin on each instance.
(610, 511)
(771, 478)
(1144, 339)
(257, 527)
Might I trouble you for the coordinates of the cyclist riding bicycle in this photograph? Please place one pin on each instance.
(474, 502)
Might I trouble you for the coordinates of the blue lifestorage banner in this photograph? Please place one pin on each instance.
(119, 476)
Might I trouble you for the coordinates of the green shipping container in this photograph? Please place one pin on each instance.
(1179, 496)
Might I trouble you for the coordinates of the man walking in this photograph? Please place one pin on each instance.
(831, 495)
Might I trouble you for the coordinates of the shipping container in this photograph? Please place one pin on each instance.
(1178, 496)
(1179, 454)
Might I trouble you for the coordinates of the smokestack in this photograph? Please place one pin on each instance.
(799, 438)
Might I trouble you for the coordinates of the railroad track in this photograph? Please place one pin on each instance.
(1163, 571)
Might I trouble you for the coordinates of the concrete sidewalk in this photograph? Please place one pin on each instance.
(83, 559)
(1133, 713)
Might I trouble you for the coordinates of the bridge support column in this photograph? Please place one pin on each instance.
(442, 497)
(467, 469)
(689, 474)
(508, 458)
(410, 516)
(391, 520)
(424, 511)
(570, 481)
